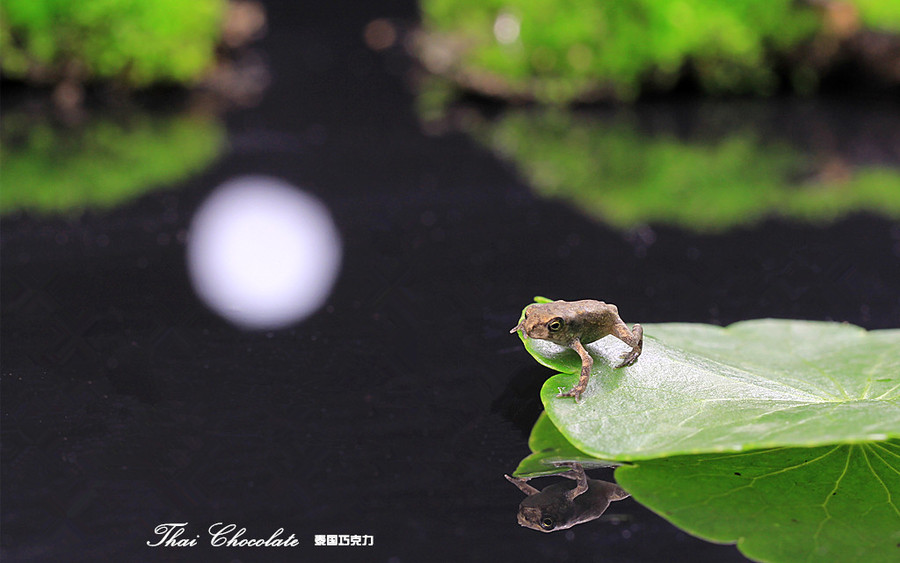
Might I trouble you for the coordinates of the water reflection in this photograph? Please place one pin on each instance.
(563, 505)
(104, 161)
(262, 253)
(707, 168)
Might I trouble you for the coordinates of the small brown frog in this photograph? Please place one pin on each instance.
(576, 323)
(563, 505)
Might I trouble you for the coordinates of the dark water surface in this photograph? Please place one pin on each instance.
(395, 409)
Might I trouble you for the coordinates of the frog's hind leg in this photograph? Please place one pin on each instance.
(577, 473)
(587, 362)
(633, 337)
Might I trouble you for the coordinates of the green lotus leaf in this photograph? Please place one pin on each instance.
(706, 389)
(828, 503)
(831, 503)
(550, 449)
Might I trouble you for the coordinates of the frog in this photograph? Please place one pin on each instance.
(575, 323)
(562, 505)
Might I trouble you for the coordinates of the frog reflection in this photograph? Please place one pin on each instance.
(563, 505)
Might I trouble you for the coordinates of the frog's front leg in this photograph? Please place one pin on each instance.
(634, 338)
(587, 362)
(522, 484)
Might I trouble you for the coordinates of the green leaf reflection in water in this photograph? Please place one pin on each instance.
(828, 503)
(624, 177)
(550, 449)
(50, 169)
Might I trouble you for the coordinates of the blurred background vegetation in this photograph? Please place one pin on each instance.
(626, 56)
(559, 51)
(135, 42)
(78, 134)
(555, 52)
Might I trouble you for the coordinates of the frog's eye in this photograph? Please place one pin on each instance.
(547, 523)
(555, 325)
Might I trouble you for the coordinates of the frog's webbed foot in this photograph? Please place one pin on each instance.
(629, 358)
(634, 338)
(575, 391)
(574, 470)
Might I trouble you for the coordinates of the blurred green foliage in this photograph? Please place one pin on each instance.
(628, 178)
(558, 51)
(135, 41)
(878, 14)
(46, 169)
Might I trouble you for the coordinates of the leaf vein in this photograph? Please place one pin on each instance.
(837, 483)
(894, 388)
(890, 499)
(758, 376)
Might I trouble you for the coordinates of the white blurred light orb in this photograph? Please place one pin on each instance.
(262, 253)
